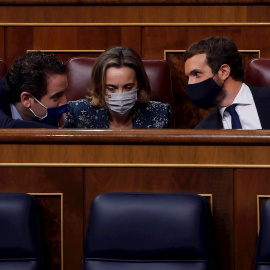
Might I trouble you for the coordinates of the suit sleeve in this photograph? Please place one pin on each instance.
(8, 122)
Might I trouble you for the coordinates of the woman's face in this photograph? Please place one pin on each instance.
(119, 80)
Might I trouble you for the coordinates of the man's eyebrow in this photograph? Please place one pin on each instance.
(58, 94)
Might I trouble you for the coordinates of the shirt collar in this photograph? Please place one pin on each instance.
(244, 97)
(14, 112)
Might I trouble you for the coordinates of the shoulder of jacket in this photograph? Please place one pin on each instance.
(156, 105)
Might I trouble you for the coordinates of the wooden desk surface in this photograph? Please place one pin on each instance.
(154, 148)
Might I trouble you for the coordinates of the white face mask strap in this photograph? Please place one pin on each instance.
(40, 118)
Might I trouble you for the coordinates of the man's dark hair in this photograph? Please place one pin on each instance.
(30, 73)
(219, 51)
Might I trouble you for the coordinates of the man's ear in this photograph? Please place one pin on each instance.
(26, 99)
(224, 72)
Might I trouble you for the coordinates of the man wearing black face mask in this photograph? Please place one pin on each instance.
(215, 79)
(35, 92)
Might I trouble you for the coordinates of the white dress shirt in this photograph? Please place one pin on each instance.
(246, 110)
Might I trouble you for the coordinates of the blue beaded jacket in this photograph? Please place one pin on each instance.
(82, 114)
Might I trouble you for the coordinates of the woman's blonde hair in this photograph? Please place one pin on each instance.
(118, 57)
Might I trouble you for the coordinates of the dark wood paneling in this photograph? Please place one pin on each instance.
(146, 14)
(17, 41)
(21, 39)
(218, 182)
(2, 43)
(131, 37)
(50, 210)
(85, 38)
(248, 184)
(53, 180)
(157, 39)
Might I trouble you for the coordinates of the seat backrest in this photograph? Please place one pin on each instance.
(3, 68)
(258, 72)
(262, 261)
(143, 231)
(20, 242)
(158, 71)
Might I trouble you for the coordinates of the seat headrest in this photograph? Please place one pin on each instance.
(258, 72)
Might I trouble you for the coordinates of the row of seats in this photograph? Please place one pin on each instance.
(146, 231)
(158, 71)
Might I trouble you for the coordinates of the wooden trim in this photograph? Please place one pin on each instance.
(183, 51)
(210, 196)
(134, 24)
(135, 136)
(258, 209)
(135, 165)
(172, 51)
(67, 51)
(133, 2)
(251, 51)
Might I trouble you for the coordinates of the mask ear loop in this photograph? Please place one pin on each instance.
(223, 81)
(39, 118)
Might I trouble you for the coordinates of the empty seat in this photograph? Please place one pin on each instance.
(263, 247)
(148, 231)
(20, 242)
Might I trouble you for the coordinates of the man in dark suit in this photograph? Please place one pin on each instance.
(33, 94)
(215, 79)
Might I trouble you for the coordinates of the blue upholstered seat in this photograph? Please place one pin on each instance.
(263, 248)
(20, 242)
(142, 231)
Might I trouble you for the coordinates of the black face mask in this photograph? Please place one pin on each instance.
(204, 94)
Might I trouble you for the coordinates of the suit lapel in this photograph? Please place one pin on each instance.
(211, 121)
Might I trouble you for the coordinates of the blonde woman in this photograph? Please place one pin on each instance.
(119, 96)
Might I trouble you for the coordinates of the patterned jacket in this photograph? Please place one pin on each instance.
(82, 114)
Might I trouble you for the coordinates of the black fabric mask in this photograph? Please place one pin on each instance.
(203, 94)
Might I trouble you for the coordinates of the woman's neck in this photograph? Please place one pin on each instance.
(120, 122)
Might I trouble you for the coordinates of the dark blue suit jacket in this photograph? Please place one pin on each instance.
(6, 120)
(261, 96)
